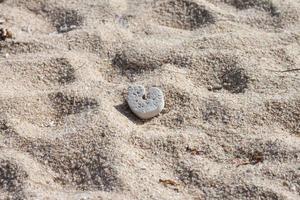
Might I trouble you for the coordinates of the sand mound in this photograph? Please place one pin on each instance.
(183, 14)
(12, 179)
(229, 70)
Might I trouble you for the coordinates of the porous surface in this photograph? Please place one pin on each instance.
(145, 106)
(228, 69)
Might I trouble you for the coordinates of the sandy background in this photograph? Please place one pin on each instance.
(231, 125)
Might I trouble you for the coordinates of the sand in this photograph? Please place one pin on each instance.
(229, 70)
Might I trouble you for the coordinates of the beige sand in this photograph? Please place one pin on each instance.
(231, 125)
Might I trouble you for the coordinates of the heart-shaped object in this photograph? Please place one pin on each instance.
(145, 106)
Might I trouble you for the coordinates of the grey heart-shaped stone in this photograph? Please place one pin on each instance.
(145, 106)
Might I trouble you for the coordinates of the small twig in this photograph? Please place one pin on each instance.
(80, 67)
(289, 70)
(167, 182)
(243, 163)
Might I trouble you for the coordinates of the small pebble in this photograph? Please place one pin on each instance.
(145, 106)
